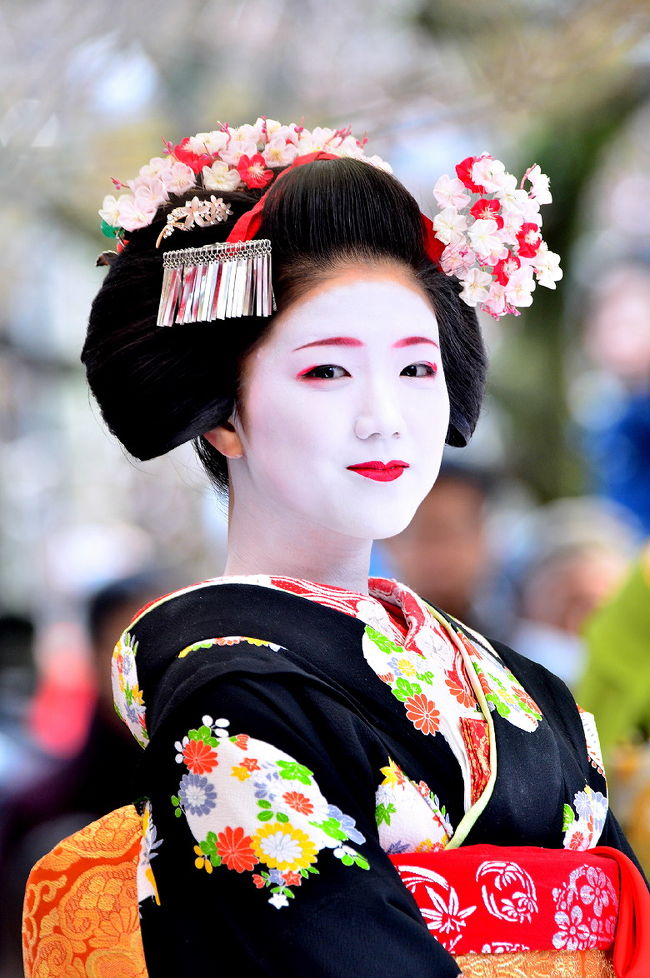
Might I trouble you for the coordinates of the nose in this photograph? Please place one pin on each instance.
(379, 414)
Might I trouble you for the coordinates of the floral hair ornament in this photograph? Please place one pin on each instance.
(491, 229)
(220, 280)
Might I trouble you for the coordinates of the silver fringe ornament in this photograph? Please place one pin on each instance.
(218, 281)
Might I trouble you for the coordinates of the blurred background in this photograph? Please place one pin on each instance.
(536, 530)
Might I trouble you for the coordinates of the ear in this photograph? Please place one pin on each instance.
(226, 440)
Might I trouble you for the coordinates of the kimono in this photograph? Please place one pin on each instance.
(300, 737)
(332, 784)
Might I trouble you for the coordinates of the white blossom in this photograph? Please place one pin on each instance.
(220, 176)
(450, 192)
(484, 237)
(476, 286)
(449, 225)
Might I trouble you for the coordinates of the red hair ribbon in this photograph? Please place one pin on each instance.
(249, 223)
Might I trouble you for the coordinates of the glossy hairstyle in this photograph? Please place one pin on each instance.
(159, 387)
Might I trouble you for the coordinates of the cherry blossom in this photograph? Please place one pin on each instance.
(484, 238)
(490, 174)
(450, 192)
(539, 184)
(178, 178)
(520, 287)
(110, 210)
(457, 259)
(209, 142)
(220, 176)
(449, 226)
(279, 152)
(476, 286)
(149, 188)
(237, 148)
(547, 267)
(135, 213)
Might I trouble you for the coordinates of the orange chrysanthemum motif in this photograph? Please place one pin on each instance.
(199, 757)
(235, 850)
(422, 713)
(299, 802)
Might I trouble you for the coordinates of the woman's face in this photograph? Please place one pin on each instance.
(344, 407)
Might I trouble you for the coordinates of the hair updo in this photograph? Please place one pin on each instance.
(159, 387)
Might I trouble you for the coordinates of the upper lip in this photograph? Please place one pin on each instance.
(394, 463)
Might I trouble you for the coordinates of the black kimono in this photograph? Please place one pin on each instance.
(296, 735)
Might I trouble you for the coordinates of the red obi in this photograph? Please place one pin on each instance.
(495, 899)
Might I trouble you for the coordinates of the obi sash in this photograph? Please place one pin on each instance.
(486, 899)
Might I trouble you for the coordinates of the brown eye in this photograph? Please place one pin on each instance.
(328, 371)
(419, 370)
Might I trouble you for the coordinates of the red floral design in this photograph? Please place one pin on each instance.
(258, 881)
(299, 802)
(254, 171)
(504, 268)
(477, 742)
(487, 210)
(464, 171)
(579, 841)
(527, 700)
(194, 160)
(199, 757)
(251, 764)
(235, 851)
(241, 741)
(529, 240)
(459, 687)
(422, 713)
(292, 879)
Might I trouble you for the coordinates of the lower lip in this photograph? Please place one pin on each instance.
(380, 475)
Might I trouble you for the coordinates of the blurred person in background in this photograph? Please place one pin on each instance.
(616, 688)
(616, 418)
(573, 556)
(444, 553)
(66, 793)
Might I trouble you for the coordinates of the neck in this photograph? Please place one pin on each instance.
(259, 542)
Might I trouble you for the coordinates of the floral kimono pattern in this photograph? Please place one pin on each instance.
(300, 735)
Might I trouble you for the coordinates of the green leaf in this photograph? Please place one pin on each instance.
(331, 827)
(263, 803)
(383, 644)
(177, 812)
(502, 708)
(425, 677)
(568, 817)
(361, 862)
(383, 813)
(215, 859)
(304, 873)
(403, 689)
(265, 816)
(292, 771)
(176, 800)
(281, 817)
(109, 231)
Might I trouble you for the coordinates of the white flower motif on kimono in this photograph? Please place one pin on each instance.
(409, 816)
(250, 807)
(584, 831)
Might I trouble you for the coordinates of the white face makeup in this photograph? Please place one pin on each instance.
(345, 408)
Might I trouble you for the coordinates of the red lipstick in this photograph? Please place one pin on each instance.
(380, 471)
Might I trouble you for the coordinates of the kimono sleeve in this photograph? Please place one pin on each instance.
(263, 847)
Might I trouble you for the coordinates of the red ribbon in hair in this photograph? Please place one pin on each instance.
(249, 223)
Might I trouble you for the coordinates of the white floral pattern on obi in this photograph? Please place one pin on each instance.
(409, 816)
(251, 807)
(127, 695)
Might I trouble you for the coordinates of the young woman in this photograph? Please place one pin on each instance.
(319, 745)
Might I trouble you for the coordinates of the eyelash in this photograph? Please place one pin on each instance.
(317, 373)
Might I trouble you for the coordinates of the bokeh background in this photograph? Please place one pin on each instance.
(545, 513)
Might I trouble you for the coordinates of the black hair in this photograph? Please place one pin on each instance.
(159, 387)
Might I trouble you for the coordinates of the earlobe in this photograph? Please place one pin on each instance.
(226, 440)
